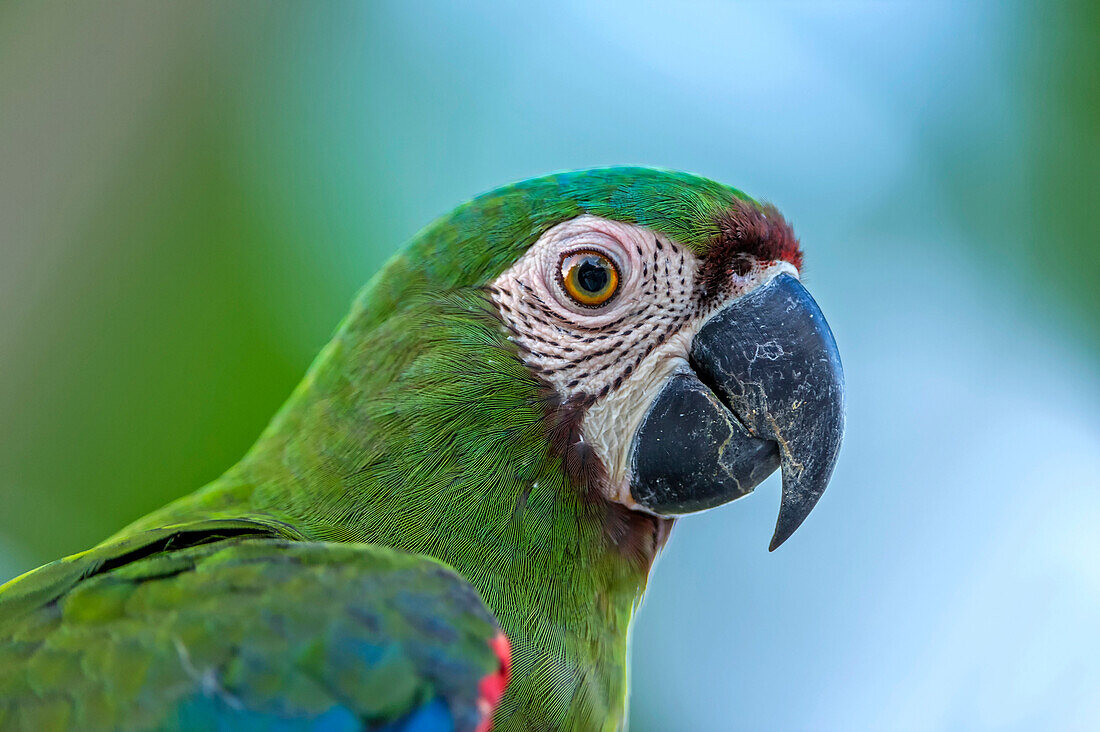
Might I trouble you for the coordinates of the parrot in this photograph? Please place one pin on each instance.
(450, 523)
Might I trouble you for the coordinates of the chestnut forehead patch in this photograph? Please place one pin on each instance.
(747, 234)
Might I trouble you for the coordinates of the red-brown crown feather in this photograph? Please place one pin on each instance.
(748, 230)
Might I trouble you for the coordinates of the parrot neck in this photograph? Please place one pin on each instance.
(423, 430)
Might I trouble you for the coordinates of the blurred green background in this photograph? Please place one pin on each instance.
(191, 193)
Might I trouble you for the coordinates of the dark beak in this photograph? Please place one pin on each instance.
(765, 390)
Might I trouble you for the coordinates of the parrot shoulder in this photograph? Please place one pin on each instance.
(226, 624)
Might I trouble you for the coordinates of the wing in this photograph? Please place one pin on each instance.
(231, 626)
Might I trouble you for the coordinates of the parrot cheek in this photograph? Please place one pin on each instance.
(764, 390)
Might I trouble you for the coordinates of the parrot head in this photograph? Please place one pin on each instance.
(696, 374)
(682, 359)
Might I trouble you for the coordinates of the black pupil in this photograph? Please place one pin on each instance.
(592, 274)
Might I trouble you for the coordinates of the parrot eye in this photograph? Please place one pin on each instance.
(589, 277)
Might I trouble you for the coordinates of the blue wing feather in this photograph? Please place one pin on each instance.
(247, 631)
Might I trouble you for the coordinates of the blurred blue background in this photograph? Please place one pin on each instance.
(190, 194)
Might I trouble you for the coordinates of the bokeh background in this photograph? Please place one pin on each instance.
(191, 193)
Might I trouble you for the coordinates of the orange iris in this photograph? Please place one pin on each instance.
(589, 277)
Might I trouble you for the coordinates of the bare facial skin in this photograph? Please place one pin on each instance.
(614, 357)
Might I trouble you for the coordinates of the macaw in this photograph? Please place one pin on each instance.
(450, 523)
